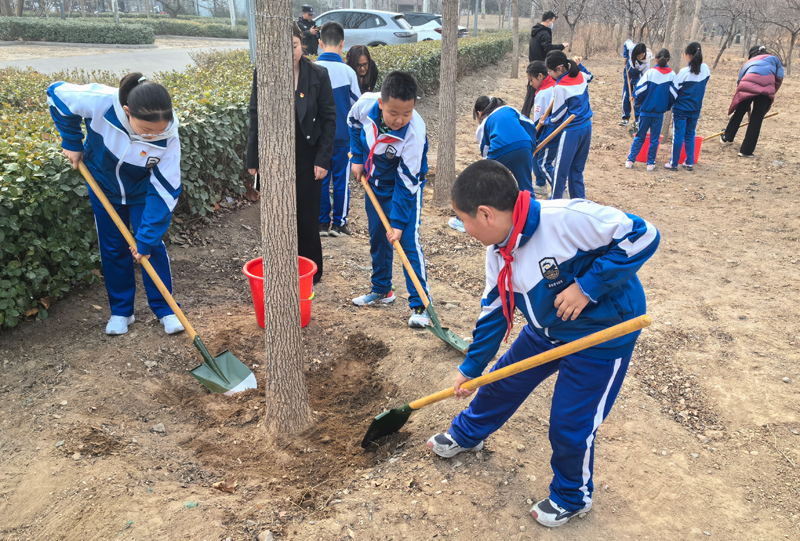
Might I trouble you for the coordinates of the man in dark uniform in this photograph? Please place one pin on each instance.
(310, 32)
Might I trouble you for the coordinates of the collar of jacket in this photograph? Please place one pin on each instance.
(375, 114)
(547, 82)
(531, 224)
(171, 131)
(664, 70)
(330, 57)
(566, 80)
(539, 27)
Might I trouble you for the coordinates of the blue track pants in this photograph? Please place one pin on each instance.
(683, 132)
(653, 124)
(571, 155)
(520, 163)
(338, 175)
(626, 98)
(543, 167)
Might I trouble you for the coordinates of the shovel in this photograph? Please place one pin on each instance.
(552, 136)
(741, 126)
(221, 374)
(447, 336)
(631, 131)
(391, 421)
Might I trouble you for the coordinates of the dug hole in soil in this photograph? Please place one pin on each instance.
(111, 438)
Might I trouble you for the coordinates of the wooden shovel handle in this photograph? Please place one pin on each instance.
(741, 126)
(132, 242)
(630, 93)
(545, 116)
(586, 342)
(389, 229)
(555, 132)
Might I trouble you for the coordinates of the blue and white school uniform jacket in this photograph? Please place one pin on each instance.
(345, 93)
(635, 67)
(504, 130)
(654, 91)
(400, 160)
(565, 241)
(571, 97)
(587, 75)
(688, 90)
(543, 97)
(129, 169)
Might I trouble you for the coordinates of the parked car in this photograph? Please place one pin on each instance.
(370, 28)
(429, 26)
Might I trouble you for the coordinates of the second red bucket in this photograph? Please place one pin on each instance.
(254, 270)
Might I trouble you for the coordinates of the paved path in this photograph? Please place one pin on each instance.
(147, 61)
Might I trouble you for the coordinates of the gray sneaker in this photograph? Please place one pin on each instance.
(552, 515)
(339, 231)
(445, 446)
(541, 190)
(323, 230)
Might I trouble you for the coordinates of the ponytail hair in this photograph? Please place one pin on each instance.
(537, 67)
(662, 58)
(693, 50)
(756, 50)
(485, 105)
(146, 100)
(555, 59)
(639, 48)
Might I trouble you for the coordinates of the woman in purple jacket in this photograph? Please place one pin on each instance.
(759, 80)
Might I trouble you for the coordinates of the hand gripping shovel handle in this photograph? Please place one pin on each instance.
(741, 126)
(545, 116)
(586, 342)
(132, 242)
(553, 135)
(389, 229)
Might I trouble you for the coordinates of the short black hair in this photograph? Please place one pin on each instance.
(331, 34)
(537, 67)
(549, 15)
(485, 182)
(399, 85)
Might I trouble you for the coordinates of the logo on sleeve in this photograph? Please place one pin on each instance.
(390, 152)
(152, 161)
(549, 268)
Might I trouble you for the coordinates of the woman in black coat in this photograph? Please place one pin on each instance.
(315, 130)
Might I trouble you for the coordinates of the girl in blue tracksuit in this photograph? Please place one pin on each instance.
(506, 136)
(133, 152)
(570, 97)
(637, 61)
(688, 91)
(654, 98)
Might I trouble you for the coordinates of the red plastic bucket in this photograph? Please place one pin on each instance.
(642, 157)
(254, 270)
(698, 142)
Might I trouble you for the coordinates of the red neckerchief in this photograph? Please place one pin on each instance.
(387, 139)
(504, 282)
(547, 82)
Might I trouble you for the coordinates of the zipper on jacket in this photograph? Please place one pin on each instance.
(119, 180)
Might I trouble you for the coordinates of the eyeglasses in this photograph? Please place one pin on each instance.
(144, 135)
(364, 65)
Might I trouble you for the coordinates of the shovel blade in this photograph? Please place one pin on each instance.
(386, 424)
(223, 373)
(445, 334)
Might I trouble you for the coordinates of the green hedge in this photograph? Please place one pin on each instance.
(47, 238)
(177, 27)
(73, 31)
(240, 21)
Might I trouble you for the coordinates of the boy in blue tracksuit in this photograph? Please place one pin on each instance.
(345, 95)
(574, 273)
(637, 61)
(570, 97)
(654, 98)
(688, 91)
(133, 152)
(389, 144)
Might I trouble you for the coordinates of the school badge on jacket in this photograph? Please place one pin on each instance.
(550, 272)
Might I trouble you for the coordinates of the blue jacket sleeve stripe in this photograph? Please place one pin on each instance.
(487, 336)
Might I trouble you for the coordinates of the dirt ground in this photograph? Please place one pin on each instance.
(29, 52)
(109, 437)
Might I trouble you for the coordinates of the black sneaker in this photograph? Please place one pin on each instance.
(323, 230)
(688, 167)
(551, 515)
(723, 140)
(339, 231)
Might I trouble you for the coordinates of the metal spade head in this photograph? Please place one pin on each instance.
(387, 423)
(223, 373)
(445, 334)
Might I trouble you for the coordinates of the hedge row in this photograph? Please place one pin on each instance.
(47, 238)
(157, 16)
(73, 31)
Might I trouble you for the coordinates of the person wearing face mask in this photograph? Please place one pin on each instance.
(541, 41)
(133, 151)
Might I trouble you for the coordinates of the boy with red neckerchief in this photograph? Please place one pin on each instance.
(570, 267)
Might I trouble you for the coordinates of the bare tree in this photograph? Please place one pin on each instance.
(515, 34)
(698, 7)
(286, 391)
(573, 11)
(446, 154)
(729, 13)
(6, 9)
(784, 14)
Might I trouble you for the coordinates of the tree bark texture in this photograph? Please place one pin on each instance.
(446, 154)
(670, 21)
(286, 390)
(676, 53)
(698, 6)
(515, 32)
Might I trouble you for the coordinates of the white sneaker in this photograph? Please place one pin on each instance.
(419, 319)
(651, 167)
(371, 298)
(629, 165)
(118, 324)
(172, 324)
(445, 446)
(456, 224)
(547, 513)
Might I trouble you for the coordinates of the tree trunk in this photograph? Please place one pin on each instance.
(286, 391)
(791, 52)
(446, 154)
(724, 43)
(115, 6)
(670, 22)
(5, 8)
(515, 37)
(571, 36)
(675, 59)
(698, 6)
(147, 7)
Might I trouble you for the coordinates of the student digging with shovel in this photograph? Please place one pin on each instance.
(570, 267)
(132, 150)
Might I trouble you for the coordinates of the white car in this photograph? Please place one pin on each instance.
(429, 26)
(371, 28)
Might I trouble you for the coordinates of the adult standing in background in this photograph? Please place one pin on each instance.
(541, 41)
(309, 29)
(361, 61)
